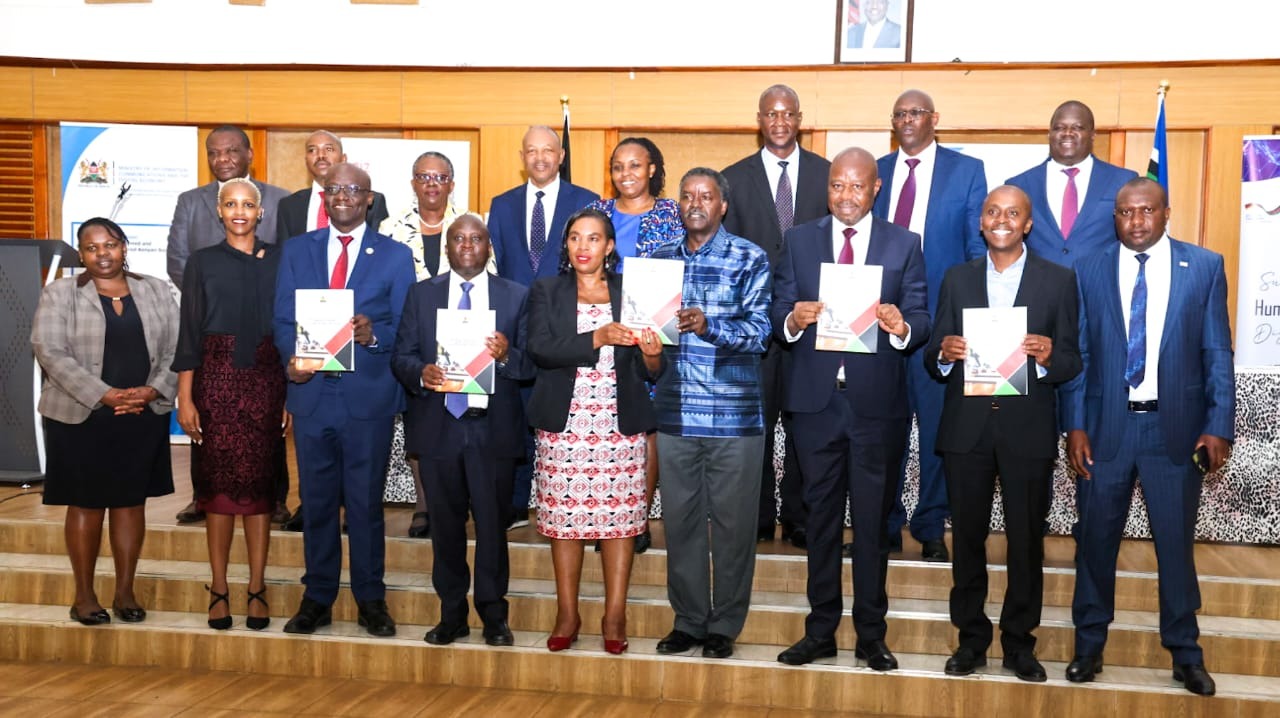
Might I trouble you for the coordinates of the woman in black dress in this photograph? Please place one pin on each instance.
(231, 391)
(105, 339)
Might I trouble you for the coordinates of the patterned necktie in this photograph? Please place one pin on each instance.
(1070, 202)
(457, 403)
(907, 197)
(338, 280)
(783, 201)
(846, 252)
(322, 215)
(537, 233)
(1135, 366)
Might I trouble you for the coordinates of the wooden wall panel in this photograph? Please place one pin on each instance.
(1201, 96)
(855, 99)
(217, 97)
(286, 149)
(16, 101)
(325, 98)
(500, 167)
(1222, 208)
(1186, 177)
(590, 158)
(682, 151)
(711, 99)
(453, 99)
(109, 95)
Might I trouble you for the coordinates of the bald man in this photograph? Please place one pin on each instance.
(303, 211)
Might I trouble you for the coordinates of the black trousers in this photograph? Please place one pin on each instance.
(790, 488)
(1025, 488)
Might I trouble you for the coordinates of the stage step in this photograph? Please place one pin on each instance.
(1231, 644)
(751, 678)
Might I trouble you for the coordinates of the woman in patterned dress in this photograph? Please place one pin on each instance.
(591, 410)
(231, 392)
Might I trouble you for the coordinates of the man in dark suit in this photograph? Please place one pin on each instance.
(342, 421)
(526, 226)
(936, 193)
(849, 410)
(1158, 386)
(196, 225)
(526, 223)
(1072, 193)
(468, 441)
(303, 211)
(769, 192)
(875, 31)
(1014, 437)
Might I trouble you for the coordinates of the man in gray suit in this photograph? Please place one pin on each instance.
(195, 219)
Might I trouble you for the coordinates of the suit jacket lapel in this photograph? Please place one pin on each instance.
(944, 165)
(1027, 286)
(760, 186)
(209, 197)
(1111, 285)
(367, 253)
(1178, 287)
(1040, 199)
(1092, 193)
(320, 255)
(825, 252)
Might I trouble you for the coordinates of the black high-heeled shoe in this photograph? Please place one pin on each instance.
(219, 624)
(253, 622)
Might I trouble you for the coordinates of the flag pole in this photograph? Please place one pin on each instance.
(1158, 166)
(565, 165)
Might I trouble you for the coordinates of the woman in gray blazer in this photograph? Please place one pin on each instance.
(105, 340)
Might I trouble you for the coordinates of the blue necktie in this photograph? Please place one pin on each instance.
(1135, 367)
(457, 403)
(537, 233)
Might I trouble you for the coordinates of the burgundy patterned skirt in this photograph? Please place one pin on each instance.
(234, 469)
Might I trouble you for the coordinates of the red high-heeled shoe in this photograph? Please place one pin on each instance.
(616, 648)
(556, 643)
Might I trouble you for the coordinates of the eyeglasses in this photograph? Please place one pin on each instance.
(914, 113)
(775, 116)
(429, 177)
(351, 190)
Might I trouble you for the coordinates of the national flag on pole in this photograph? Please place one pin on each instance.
(1158, 166)
(565, 164)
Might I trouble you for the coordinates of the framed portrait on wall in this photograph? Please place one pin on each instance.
(873, 30)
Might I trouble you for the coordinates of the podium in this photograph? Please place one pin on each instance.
(23, 262)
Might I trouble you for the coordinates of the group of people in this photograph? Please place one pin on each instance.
(1130, 358)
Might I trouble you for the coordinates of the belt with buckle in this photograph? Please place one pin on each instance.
(1143, 407)
(841, 384)
(474, 412)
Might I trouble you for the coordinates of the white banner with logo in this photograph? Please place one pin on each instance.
(1258, 280)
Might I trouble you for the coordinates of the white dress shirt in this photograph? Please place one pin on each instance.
(313, 205)
(479, 300)
(1055, 184)
(871, 32)
(773, 171)
(550, 194)
(1159, 274)
(924, 183)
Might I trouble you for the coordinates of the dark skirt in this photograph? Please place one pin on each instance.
(235, 468)
(107, 461)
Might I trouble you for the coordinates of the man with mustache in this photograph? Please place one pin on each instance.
(1014, 437)
(849, 410)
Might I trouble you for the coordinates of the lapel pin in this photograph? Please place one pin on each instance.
(1183, 264)
(369, 250)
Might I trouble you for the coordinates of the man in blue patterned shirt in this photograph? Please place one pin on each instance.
(711, 423)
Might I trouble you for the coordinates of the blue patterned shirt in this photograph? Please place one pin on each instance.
(711, 384)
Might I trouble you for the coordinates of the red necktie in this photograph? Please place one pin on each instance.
(1070, 201)
(322, 216)
(846, 252)
(339, 278)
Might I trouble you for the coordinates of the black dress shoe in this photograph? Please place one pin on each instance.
(964, 662)
(643, 542)
(808, 650)
(846, 550)
(93, 618)
(135, 614)
(678, 642)
(375, 618)
(295, 522)
(310, 616)
(498, 634)
(190, 514)
(281, 513)
(935, 550)
(1025, 666)
(1195, 678)
(764, 533)
(1082, 669)
(799, 538)
(895, 542)
(420, 525)
(445, 633)
(717, 646)
(877, 655)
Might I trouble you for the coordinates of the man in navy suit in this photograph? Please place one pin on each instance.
(771, 191)
(342, 421)
(526, 223)
(1014, 437)
(1158, 386)
(469, 442)
(526, 226)
(1072, 193)
(876, 31)
(849, 410)
(936, 193)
